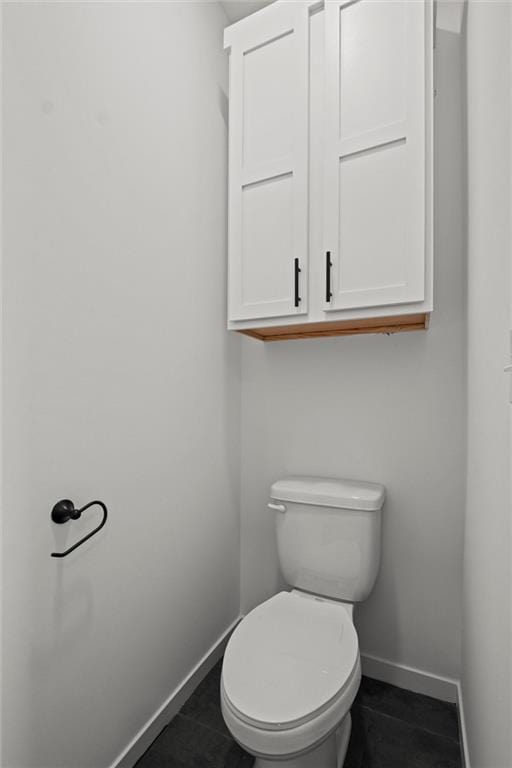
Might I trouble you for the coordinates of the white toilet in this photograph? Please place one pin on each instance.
(291, 669)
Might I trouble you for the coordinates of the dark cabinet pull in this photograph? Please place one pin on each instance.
(64, 510)
(296, 273)
(328, 265)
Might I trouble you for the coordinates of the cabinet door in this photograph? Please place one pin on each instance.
(268, 157)
(374, 152)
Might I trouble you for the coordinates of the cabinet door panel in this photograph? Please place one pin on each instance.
(268, 195)
(267, 250)
(371, 222)
(268, 114)
(375, 152)
(372, 81)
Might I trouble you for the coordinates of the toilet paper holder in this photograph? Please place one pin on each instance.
(65, 510)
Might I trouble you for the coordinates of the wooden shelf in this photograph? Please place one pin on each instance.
(396, 324)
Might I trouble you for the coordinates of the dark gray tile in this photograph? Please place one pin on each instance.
(354, 756)
(246, 761)
(422, 711)
(187, 744)
(392, 743)
(204, 704)
(434, 751)
(237, 758)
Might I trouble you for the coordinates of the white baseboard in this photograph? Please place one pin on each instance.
(462, 728)
(444, 688)
(171, 706)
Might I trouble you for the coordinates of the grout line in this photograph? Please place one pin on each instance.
(411, 725)
(203, 725)
(185, 717)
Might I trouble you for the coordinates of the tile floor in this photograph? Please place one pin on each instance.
(391, 728)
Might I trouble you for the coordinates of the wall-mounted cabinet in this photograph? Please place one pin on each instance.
(330, 168)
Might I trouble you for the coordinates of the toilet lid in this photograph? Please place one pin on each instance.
(288, 659)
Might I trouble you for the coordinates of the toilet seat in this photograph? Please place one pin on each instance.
(288, 660)
(291, 671)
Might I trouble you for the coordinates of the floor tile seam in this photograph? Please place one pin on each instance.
(203, 725)
(411, 725)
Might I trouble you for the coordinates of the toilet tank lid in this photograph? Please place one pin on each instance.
(330, 492)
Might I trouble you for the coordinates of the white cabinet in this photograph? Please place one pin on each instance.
(330, 167)
(374, 152)
(268, 162)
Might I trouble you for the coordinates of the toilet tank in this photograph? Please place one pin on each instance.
(328, 535)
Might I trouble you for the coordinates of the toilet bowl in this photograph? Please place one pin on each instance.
(290, 674)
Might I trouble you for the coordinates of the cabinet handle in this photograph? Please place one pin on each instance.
(328, 265)
(297, 270)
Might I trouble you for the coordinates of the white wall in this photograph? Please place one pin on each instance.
(120, 382)
(486, 673)
(387, 409)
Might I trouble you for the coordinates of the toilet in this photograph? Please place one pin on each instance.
(291, 669)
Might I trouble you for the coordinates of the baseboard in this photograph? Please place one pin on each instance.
(444, 688)
(462, 728)
(171, 706)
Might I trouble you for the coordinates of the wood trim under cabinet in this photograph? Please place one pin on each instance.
(396, 324)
